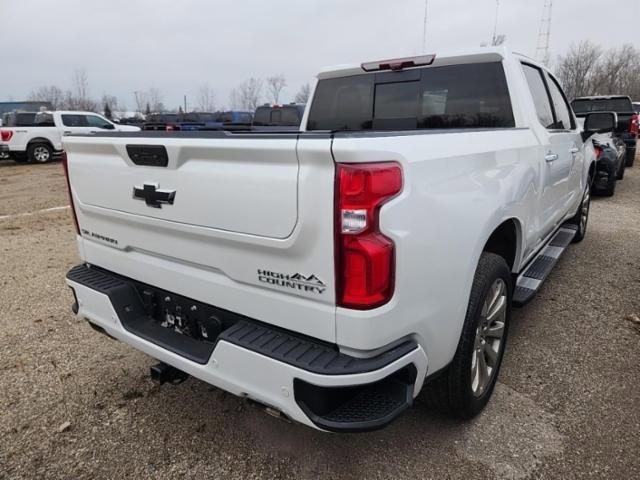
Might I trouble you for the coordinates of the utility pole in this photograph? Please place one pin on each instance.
(185, 104)
(424, 27)
(544, 34)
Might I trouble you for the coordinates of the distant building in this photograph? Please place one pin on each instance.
(25, 106)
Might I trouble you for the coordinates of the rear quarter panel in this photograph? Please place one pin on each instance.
(458, 187)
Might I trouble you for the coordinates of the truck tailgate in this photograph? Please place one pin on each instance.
(251, 219)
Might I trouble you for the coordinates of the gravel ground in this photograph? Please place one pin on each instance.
(74, 404)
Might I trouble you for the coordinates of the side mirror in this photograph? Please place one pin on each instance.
(599, 122)
(108, 126)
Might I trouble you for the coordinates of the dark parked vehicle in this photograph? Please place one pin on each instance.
(193, 121)
(288, 116)
(609, 168)
(627, 129)
(232, 119)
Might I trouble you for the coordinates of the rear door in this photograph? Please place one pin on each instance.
(570, 143)
(554, 157)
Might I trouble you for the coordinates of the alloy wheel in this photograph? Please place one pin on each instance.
(489, 338)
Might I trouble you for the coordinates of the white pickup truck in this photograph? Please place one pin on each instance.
(37, 136)
(331, 274)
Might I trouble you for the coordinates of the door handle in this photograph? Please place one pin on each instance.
(551, 157)
(574, 150)
(67, 132)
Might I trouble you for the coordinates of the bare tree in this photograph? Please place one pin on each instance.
(206, 98)
(142, 101)
(275, 85)
(577, 69)
(303, 94)
(249, 94)
(51, 94)
(110, 100)
(155, 99)
(587, 70)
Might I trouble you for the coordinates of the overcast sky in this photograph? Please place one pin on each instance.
(178, 45)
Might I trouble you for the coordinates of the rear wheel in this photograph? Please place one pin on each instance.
(39, 153)
(623, 165)
(581, 218)
(465, 387)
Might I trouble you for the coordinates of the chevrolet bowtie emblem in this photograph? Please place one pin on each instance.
(153, 196)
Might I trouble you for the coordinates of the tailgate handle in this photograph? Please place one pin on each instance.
(148, 155)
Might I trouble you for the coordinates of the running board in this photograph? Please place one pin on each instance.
(533, 277)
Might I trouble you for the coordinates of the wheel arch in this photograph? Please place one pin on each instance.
(40, 140)
(506, 241)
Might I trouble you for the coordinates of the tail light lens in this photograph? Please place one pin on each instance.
(73, 208)
(170, 128)
(633, 125)
(5, 135)
(598, 150)
(365, 258)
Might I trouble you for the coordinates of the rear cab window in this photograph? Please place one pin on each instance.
(618, 105)
(453, 96)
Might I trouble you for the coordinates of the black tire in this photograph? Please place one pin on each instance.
(452, 391)
(621, 170)
(40, 152)
(631, 156)
(577, 219)
(610, 189)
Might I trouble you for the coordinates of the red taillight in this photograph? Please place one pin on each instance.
(73, 208)
(633, 124)
(170, 128)
(365, 258)
(598, 150)
(5, 135)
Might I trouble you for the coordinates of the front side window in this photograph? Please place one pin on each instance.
(564, 119)
(97, 122)
(540, 95)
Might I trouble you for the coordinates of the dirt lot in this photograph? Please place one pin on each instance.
(567, 404)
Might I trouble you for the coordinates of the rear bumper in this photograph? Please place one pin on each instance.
(308, 381)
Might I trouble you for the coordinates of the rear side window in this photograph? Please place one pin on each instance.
(75, 121)
(455, 96)
(540, 96)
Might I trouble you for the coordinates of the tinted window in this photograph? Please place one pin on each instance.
(342, 104)
(456, 96)
(291, 116)
(618, 105)
(244, 118)
(95, 121)
(262, 116)
(540, 96)
(396, 105)
(24, 119)
(465, 96)
(564, 120)
(74, 120)
(44, 120)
